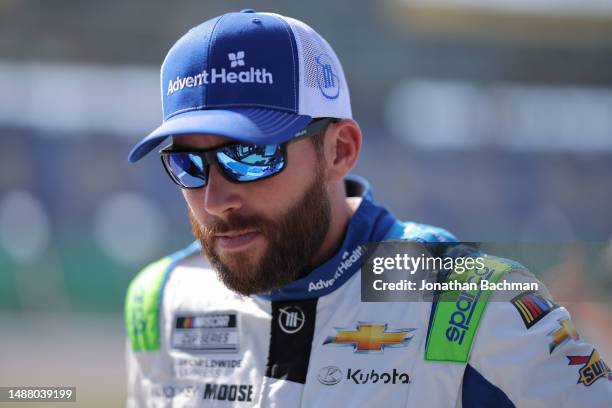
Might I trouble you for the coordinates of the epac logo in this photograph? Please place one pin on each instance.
(370, 338)
(329, 375)
(291, 319)
(395, 377)
(328, 81)
(236, 58)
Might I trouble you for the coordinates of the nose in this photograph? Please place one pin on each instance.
(221, 196)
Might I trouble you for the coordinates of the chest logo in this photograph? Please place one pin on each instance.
(329, 375)
(291, 319)
(563, 334)
(215, 332)
(370, 337)
(533, 307)
(593, 368)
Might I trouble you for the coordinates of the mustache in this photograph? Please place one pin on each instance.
(234, 222)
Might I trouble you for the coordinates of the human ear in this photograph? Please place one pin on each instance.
(342, 148)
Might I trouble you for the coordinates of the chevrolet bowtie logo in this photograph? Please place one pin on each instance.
(566, 332)
(370, 337)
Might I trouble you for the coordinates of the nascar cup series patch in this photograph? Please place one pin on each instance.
(215, 332)
(533, 307)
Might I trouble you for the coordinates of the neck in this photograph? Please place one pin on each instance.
(342, 209)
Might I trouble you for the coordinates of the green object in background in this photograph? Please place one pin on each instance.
(458, 314)
(94, 281)
(142, 306)
(9, 295)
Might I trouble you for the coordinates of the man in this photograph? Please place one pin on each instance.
(262, 141)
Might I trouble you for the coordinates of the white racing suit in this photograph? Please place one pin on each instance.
(192, 342)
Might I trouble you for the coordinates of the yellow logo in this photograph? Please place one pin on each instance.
(563, 334)
(593, 369)
(370, 337)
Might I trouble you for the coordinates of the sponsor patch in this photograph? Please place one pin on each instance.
(327, 79)
(370, 338)
(330, 375)
(168, 391)
(347, 262)
(228, 392)
(291, 333)
(563, 334)
(291, 319)
(250, 75)
(593, 368)
(208, 391)
(364, 377)
(533, 307)
(203, 367)
(214, 332)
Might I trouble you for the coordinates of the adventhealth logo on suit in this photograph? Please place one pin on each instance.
(223, 76)
(348, 260)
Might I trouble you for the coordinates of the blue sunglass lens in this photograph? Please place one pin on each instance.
(244, 162)
(187, 169)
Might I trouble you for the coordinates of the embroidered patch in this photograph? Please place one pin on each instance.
(563, 334)
(215, 332)
(533, 307)
(593, 368)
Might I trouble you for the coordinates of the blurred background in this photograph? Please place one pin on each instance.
(491, 118)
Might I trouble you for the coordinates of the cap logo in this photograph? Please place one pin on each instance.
(237, 59)
(251, 75)
(328, 81)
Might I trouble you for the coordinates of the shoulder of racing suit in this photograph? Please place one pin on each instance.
(456, 314)
(143, 299)
(524, 351)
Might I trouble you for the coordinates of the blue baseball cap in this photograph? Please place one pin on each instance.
(254, 77)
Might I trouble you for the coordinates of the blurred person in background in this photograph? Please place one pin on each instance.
(262, 143)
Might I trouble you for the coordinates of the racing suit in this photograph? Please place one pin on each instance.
(313, 343)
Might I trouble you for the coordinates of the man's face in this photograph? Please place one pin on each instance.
(261, 235)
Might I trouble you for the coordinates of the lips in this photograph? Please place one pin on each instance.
(235, 240)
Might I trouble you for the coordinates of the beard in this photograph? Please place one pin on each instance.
(292, 241)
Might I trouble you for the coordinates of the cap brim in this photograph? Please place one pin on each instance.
(251, 125)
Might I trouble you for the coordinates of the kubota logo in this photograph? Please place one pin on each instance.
(363, 377)
(329, 375)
